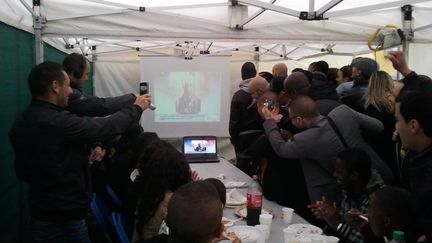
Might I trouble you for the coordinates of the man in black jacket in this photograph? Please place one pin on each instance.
(414, 126)
(51, 156)
(245, 122)
(78, 69)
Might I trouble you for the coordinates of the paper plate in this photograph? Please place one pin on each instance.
(228, 222)
(305, 229)
(231, 202)
(235, 198)
(245, 233)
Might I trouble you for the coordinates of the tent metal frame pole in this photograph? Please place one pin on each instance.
(253, 16)
(38, 24)
(327, 7)
(424, 27)
(406, 11)
(190, 6)
(373, 7)
(272, 7)
(23, 2)
(119, 5)
(93, 14)
(311, 6)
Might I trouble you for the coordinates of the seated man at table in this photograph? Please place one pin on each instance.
(393, 208)
(194, 215)
(353, 173)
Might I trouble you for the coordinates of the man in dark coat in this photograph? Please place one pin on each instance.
(51, 156)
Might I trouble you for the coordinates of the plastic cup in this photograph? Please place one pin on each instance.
(331, 239)
(289, 234)
(303, 239)
(287, 215)
(266, 219)
(265, 229)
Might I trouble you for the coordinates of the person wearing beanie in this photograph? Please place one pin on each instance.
(361, 70)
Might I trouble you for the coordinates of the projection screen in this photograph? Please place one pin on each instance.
(192, 97)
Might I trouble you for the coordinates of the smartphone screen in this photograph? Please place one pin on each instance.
(143, 88)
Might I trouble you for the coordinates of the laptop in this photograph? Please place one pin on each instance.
(200, 149)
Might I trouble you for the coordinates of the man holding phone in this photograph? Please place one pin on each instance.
(51, 154)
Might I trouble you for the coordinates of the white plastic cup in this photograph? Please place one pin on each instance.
(303, 239)
(289, 234)
(317, 239)
(265, 229)
(331, 239)
(266, 219)
(287, 215)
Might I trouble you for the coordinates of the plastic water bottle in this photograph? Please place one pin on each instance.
(398, 237)
(254, 203)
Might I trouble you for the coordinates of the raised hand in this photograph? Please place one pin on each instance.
(97, 154)
(143, 101)
(399, 63)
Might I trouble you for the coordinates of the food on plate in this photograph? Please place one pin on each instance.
(232, 234)
(224, 222)
(305, 229)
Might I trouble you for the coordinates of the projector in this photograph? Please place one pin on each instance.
(389, 38)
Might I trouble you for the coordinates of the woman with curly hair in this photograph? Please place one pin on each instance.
(162, 170)
(379, 103)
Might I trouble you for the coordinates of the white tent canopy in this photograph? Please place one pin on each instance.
(163, 27)
(119, 31)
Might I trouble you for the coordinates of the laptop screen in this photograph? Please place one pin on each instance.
(199, 145)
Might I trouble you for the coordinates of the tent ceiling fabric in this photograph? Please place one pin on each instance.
(167, 28)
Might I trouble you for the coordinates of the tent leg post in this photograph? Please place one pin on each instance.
(38, 24)
(407, 29)
(39, 48)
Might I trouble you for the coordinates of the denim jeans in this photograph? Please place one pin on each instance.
(60, 232)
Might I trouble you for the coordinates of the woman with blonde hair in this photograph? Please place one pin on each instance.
(378, 94)
(379, 103)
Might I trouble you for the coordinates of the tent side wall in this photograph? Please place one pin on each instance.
(17, 57)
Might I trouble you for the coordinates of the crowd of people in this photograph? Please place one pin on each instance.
(350, 143)
(345, 142)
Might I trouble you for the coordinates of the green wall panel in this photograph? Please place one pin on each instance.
(17, 58)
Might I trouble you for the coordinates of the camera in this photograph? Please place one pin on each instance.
(270, 104)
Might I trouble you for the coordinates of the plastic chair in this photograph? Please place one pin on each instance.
(101, 212)
(119, 227)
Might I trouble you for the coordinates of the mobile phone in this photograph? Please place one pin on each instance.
(269, 104)
(144, 88)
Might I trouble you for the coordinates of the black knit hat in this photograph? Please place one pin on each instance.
(367, 66)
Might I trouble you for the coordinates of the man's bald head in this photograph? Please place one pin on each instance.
(257, 86)
(280, 70)
(195, 213)
(297, 84)
(304, 106)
